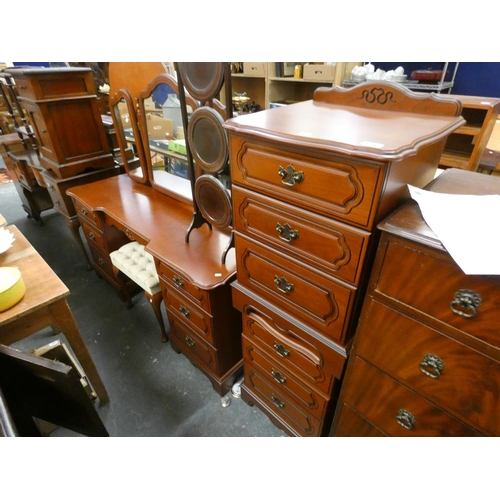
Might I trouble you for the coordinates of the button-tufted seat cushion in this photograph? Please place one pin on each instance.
(133, 260)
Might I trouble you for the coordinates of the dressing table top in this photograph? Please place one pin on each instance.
(163, 222)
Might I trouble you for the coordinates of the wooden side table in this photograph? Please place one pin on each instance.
(43, 305)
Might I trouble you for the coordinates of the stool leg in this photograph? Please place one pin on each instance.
(155, 301)
(123, 286)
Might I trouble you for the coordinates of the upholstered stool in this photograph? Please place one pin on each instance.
(133, 261)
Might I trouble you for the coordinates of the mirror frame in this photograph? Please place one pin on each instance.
(122, 141)
(170, 81)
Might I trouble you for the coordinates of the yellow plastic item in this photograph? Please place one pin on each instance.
(12, 287)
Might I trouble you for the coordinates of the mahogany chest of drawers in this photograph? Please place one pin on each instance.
(310, 181)
(426, 356)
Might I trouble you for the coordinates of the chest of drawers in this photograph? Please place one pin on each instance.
(309, 183)
(426, 356)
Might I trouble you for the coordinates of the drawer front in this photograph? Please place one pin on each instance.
(42, 134)
(53, 86)
(24, 89)
(286, 381)
(85, 212)
(311, 297)
(94, 236)
(298, 419)
(442, 370)
(188, 312)
(335, 248)
(177, 281)
(191, 344)
(385, 403)
(131, 235)
(341, 189)
(423, 269)
(315, 363)
(350, 424)
(25, 174)
(102, 263)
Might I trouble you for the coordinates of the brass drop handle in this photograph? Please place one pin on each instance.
(184, 311)
(406, 419)
(277, 376)
(282, 285)
(281, 350)
(178, 282)
(92, 236)
(189, 341)
(277, 401)
(432, 365)
(289, 176)
(100, 262)
(43, 131)
(286, 233)
(82, 210)
(128, 234)
(465, 303)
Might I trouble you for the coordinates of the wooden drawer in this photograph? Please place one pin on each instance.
(94, 236)
(334, 247)
(192, 345)
(313, 298)
(179, 282)
(286, 381)
(25, 174)
(417, 279)
(85, 212)
(102, 263)
(344, 189)
(351, 424)
(276, 402)
(52, 86)
(410, 351)
(315, 362)
(382, 401)
(187, 311)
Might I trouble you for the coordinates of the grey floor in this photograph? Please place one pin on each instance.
(153, 390)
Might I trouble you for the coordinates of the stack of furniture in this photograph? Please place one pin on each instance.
(310, 182)
(72, 146)
(426, 356)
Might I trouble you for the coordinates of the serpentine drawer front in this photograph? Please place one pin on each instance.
(310, 181)
(426, 355)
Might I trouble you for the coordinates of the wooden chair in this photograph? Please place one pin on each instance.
(133, 261)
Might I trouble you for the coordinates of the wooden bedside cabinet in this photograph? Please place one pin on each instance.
(426, 356)
(310, 181)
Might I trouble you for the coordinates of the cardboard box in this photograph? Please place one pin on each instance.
(159, 127)
(254, 68)
(321, 72)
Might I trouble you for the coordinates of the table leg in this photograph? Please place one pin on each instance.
(64, 318)
(74, 226)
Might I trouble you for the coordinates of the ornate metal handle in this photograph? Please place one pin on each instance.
(281, 350)
(82, 210)
(184, 311)
(277, 401)
(277, 376)
(128, 233)
(282, 285)
(465, 303)
(43, 131)
(92, 236)
(286, 233)
(189, 341)
(178, 282)
(406, 419)
(432, 365)
(100, 262)
(289, 176)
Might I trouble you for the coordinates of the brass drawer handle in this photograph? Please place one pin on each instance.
(432, 365)
(281, 350)
(465, 303)
(129, 234)
(178, 282)
(289, 176)
(277, 376)
(406, 419)
(43, 131)
(277, 401)
(286, 233)
(184, 311)
(100, 262)
(82, 210)
(92, 236)
(189, 341)
(282, 285)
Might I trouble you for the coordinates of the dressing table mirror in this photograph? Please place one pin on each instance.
(128, 136)
(162, 129)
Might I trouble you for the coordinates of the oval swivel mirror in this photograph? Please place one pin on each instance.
(127, 133)
(162, 127)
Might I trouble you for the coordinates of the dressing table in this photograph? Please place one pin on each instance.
(152, 206)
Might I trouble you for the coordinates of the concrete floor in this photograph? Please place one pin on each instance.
(153, 390)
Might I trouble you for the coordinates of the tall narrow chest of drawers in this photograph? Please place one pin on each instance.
(310, 181)
(426, 356)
